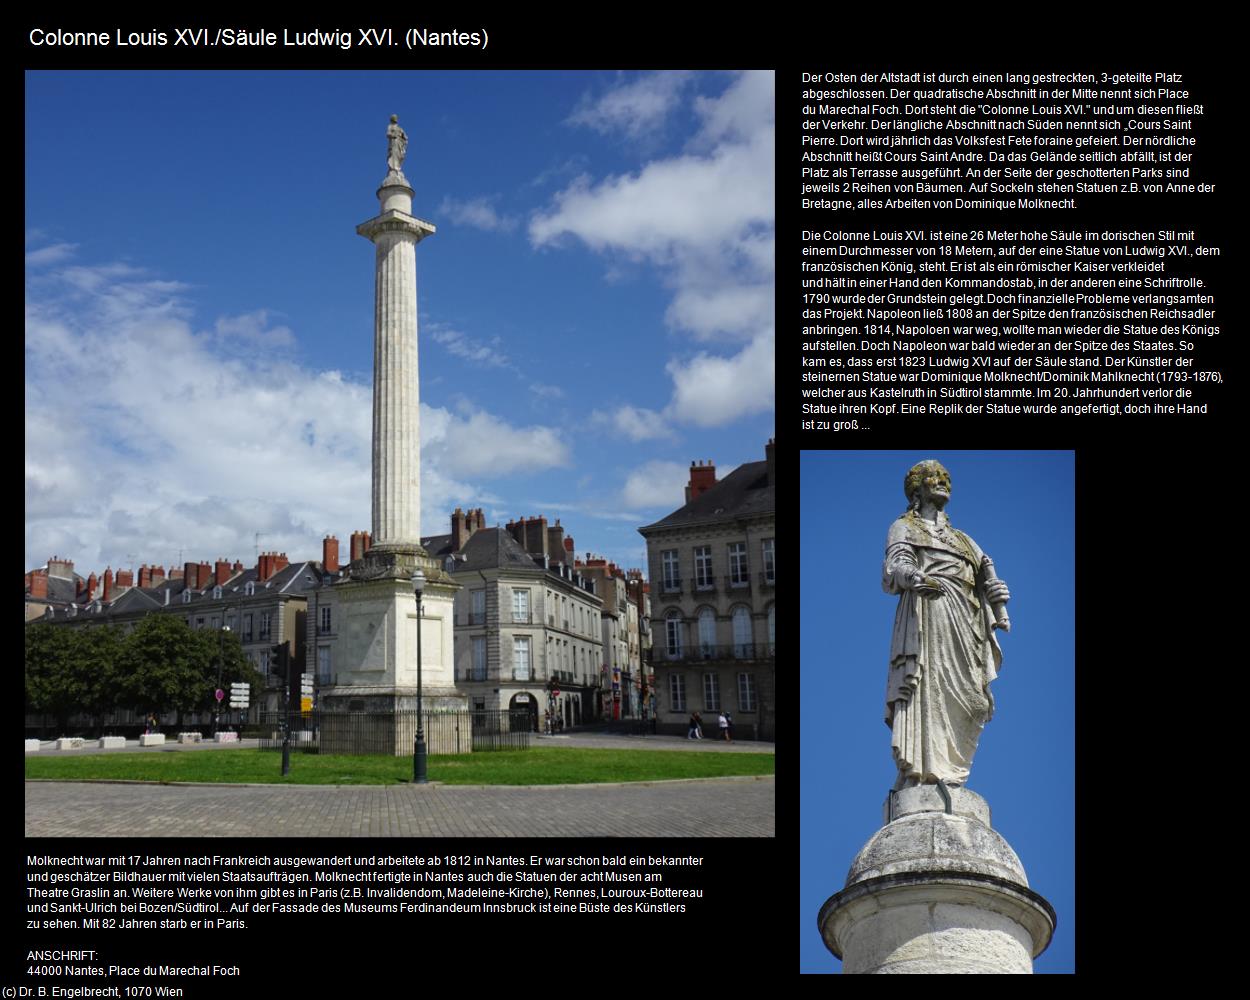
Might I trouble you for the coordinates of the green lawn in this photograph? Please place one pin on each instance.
(536, 766)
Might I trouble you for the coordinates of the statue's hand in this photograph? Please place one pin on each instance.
(928, 587)
(996, 592)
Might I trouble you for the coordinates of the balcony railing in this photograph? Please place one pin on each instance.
(671, 586)
(704, 586)
(521, 618)
(738, 580)
(702, 653)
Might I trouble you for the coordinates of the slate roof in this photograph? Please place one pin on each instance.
(743, 493)
(494, 548)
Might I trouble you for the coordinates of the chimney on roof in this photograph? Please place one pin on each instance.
(191, 575)
(477, 520)
(330, 554)
(221, 571)
(702, 479)
(62, 569)
(238, 566)
(92, 582)
(555, 541)
(517, 530)
(158, 575)
(175, 573)
(108, 583)
(203, 575)
(145, 576)
(125, 580)
(768, 456)
(536, 536)
(460, 529)
(362, 541)
(37, 583)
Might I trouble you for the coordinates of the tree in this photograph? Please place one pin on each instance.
(97, 656)
(52, 685)
(165, 665)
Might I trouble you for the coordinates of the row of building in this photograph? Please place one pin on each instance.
(537, 629)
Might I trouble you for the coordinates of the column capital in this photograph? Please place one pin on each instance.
(395, 221)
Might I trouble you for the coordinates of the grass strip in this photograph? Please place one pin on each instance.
(536, 766)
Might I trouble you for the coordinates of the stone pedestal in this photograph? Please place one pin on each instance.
(936, 890)
(377, 647)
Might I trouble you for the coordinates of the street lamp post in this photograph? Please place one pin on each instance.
(418, 747)
(221, 657)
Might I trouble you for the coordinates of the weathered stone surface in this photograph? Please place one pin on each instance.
(927, 798)
(32, 746)
(69, 743)
(928, 842)
(112, 742)
(152, 740)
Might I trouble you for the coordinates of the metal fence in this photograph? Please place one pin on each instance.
(393, 733)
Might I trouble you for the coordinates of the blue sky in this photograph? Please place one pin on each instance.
(1019, 507)
(596, 308)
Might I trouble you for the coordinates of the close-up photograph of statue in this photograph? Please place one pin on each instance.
(943, 652)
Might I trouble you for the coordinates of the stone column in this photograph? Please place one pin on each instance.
(396, 397)
(936, 890)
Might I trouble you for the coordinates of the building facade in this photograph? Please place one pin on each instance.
(713, 592)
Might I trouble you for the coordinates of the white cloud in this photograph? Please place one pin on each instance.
(704, 219)
(53, 254)
(144, 437)
(477, 212)
(635, 423)
(709, 390)
(463, 346)
(632, 108)
(656, 484)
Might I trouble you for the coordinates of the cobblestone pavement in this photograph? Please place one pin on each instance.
(721, 807)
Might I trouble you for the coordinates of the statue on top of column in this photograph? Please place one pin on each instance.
(396, 148)
(943, 653)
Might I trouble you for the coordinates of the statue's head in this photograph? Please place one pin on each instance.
(394, 119)
(927, 478)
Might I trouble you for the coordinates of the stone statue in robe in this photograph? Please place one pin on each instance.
(943, 653)
(396, 146)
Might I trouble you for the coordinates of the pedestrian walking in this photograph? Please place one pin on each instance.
(693, 734)
(729, 732)
(723, 722)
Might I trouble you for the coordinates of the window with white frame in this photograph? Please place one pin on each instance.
(711, 692)
(477, 614)
(323, 664)
(770, 571)
(746, 692)
(742, 632)
(707, 632)
(738, 575)
(677, 692)
(325, 619)
(703, 567)
(479, 658)
(521, 658)
(265, 620)
(520, 605)
(672, 574)
(672, 627)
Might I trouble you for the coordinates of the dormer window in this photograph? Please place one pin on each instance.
(249, 588)
(216, 593)
(186, 597)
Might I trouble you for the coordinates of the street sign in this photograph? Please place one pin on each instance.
(240, 694)
(219, 694)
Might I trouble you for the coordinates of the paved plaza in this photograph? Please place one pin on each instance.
(708, 807)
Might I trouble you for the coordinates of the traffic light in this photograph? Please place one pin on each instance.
(278, 660)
